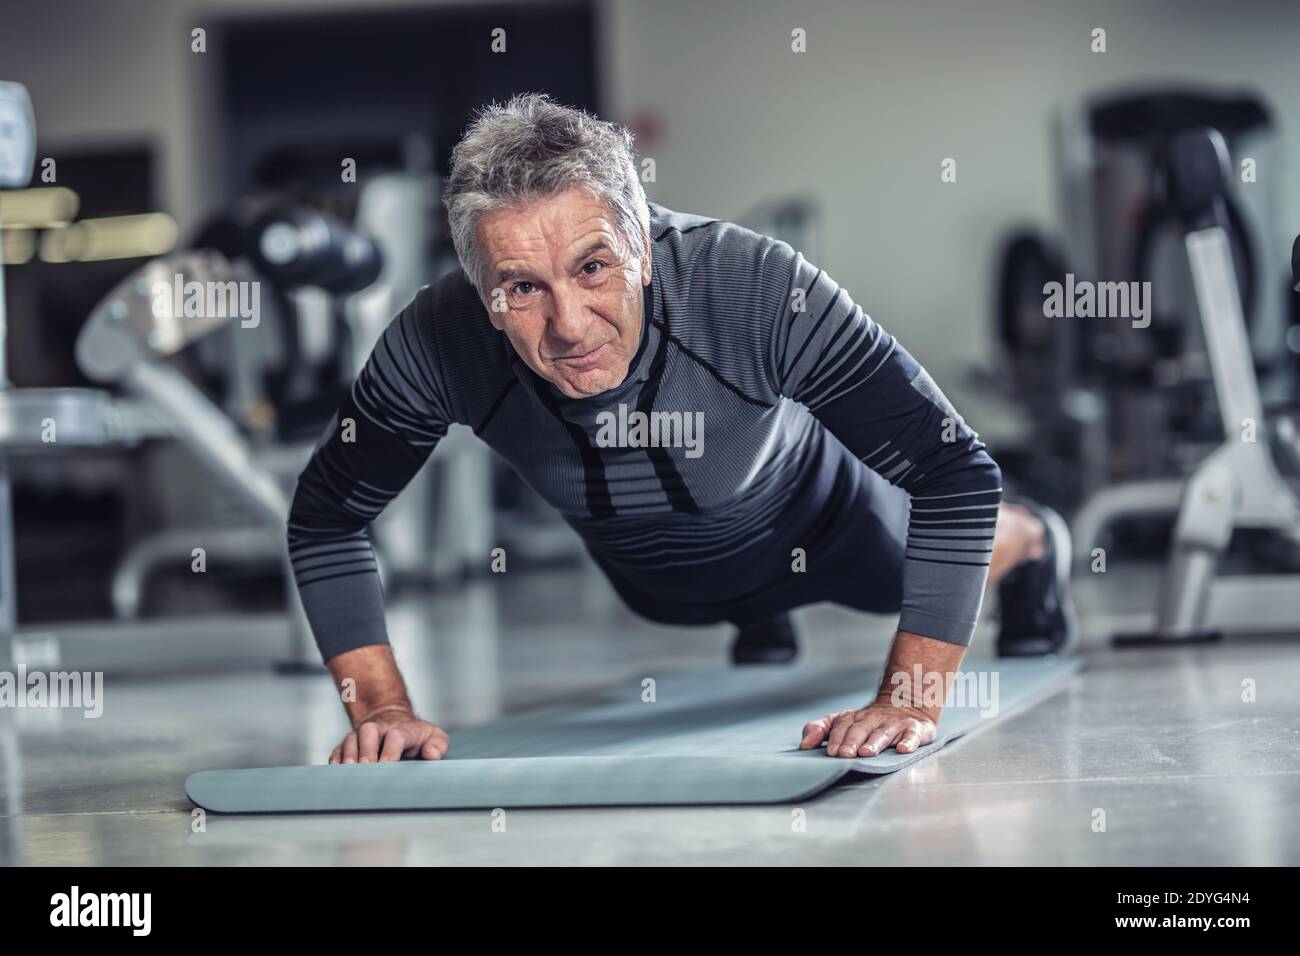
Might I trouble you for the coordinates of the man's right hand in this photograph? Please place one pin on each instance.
(384, 723)
(392, 734)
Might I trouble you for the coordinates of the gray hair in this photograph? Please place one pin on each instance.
(533, 147)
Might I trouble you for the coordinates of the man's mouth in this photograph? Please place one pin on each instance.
(583, 359)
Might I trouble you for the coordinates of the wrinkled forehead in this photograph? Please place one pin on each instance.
(559, 226)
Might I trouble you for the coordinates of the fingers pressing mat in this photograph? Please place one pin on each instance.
(696, 737)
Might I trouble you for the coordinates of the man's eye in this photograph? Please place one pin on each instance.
(522, 288)
(588, 267)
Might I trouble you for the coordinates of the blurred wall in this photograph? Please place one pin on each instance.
(861, 121)
(887, 90)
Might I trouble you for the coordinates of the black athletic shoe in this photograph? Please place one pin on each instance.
(1034, 600)
(772, 641)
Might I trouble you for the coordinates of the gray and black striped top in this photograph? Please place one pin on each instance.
(744, 338)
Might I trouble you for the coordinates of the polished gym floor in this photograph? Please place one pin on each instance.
(1156, 744)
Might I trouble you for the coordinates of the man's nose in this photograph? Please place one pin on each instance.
(569, 321)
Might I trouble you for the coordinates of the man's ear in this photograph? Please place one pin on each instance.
(646, 266)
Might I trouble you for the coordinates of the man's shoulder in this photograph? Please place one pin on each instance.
(450, 311)
(665, 221)
(714, 256)
(466, 352)
(723, 287)
(701, 232)
(452, 294)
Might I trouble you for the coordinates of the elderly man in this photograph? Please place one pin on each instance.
(729, 433)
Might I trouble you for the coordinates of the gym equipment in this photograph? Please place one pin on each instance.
(283, 380)
(727, 736)
(1108, 402)
(17, 156)
(125, 343)
(91, 418)
(278, 383)
(1237, 485)
(17, 136)
(1135, 420)
(126, 338)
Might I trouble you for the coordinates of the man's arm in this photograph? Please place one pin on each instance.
(383, 433)
(878, 401)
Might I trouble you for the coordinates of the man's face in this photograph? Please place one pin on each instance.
(572, 304)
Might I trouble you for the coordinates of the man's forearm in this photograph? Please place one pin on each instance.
(920, 673)
(369, 682)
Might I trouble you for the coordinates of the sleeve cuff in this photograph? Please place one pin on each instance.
(939, 628)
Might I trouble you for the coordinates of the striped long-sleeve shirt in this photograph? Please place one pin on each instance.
(744, 339)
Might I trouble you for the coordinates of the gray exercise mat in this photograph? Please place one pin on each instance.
(708, 737)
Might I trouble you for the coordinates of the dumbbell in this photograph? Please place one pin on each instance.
(299, 246)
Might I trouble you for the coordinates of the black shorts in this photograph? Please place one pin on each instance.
(854, 547)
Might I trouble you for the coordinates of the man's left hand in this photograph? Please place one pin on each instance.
(870, 731)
